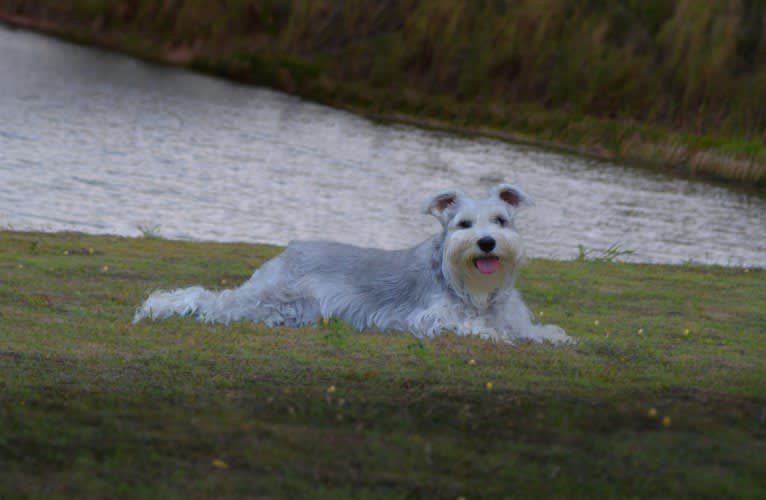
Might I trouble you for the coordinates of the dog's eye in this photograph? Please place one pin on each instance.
(501, 221)
(464, 224)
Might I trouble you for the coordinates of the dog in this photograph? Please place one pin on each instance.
(461, 280)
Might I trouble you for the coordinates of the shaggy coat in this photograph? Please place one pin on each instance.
(460, 280)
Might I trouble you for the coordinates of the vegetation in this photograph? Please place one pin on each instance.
(676, 83)
(663, 395)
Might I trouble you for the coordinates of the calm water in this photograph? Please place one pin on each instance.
(96, 142)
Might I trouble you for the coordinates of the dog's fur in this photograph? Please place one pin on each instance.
(460, 280)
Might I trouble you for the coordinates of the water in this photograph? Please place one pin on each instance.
(96, 142)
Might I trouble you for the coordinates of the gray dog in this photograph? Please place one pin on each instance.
(460, 280)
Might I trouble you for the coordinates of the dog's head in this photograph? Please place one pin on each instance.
(481, 249)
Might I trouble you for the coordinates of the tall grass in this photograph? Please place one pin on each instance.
(685, 65)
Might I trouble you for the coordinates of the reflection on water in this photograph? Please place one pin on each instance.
(97, 142)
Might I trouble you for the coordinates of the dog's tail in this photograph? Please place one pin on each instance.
(196, 301)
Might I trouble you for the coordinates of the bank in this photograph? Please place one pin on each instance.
(619, 81)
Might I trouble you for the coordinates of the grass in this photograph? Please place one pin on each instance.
(679, 85)
(663, 395)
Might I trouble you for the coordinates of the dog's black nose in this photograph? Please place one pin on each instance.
(486, 244)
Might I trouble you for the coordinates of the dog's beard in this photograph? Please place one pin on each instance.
(476, 274)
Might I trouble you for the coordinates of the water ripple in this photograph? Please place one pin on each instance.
(100, 143)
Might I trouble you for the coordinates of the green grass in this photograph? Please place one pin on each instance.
(94, 406)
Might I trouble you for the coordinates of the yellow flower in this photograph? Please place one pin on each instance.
(220, 464)
(666, 421)
(652, 412)
(104, 269)
(488, 385)
(472, 362)
(331, 389)
(640, 331)
(686, 332)
(595, 322)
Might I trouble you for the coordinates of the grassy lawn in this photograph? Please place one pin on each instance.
(663, 395)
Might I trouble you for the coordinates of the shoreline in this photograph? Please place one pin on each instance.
(705, 158)
(585, 256)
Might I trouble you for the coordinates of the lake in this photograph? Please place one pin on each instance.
(97, 142)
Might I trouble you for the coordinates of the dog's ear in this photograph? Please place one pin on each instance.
(443, 205)
(511, 195)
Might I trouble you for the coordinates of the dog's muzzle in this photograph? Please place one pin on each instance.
(486, 264)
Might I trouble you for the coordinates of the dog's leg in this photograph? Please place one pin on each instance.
(520, 322)
(268, 297)
(194, 301)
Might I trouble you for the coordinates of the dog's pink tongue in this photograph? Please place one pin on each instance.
(487, 265)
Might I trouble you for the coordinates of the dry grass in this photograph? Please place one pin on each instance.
(686, 77)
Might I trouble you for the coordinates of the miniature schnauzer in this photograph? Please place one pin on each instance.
(461, 280)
